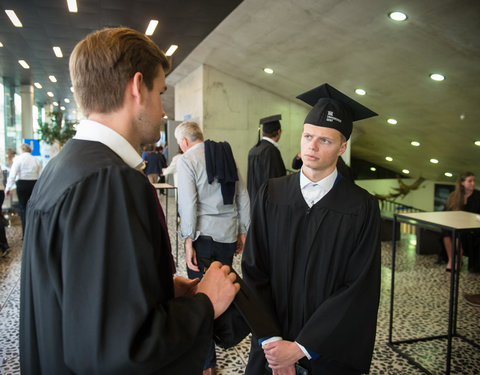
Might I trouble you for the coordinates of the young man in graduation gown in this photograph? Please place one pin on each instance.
(264, 159)
(98, 294)
(312, 254)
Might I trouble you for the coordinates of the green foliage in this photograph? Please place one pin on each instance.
(54, 131)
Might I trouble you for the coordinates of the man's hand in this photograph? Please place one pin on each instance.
(282, 353)
(240, 242)
(218, 284)
(191, 255)
(289, 370)
(185, 287)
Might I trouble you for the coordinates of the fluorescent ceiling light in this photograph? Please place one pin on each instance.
(66, 100)
(52, 78)
(392, 121)
(448, 174)
(58, 52)
(437, 77)
(38, 85)
(171, 50)
(55, 104)
(397, 16)
(50, 94)
(1, 44)
(151, 27)
(388, 158)
(24, 64)
(13, 17)
(62, 108)
(477, 143)
(72, 6)
(406, 171)
(373, 169)
(415, 143)
(268, 70)
(71, 88)
(434, 161)
(360, 92)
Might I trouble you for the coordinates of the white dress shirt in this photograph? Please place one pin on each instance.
(314, 191)
(24, 167)
(89, 130)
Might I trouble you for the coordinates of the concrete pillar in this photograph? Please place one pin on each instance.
(26, 93)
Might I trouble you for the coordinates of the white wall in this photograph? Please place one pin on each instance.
(422, 198)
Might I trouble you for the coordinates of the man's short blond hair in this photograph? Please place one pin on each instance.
(104, 61)
(189, 130)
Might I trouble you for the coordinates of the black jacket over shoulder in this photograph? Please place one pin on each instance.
(96, 283)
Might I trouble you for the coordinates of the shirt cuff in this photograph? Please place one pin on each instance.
(305, 351)
(266, 340)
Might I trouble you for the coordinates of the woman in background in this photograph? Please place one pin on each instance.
(24, 173)
(463, 198)
(3, 238)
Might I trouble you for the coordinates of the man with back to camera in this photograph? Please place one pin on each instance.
(213, 205)
(312, 254)
(98, 294)
(264, 159)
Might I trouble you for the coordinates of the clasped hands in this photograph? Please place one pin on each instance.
(282, 356)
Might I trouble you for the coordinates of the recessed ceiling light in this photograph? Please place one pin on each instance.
(71, 88)
(52, 78)
(415, 143)
(37, 85)
(388, 158)
(392, 121)
(13, 17)
(165, 117)
(55, 104)
(66, 100)
(50, 94)
(406, 171)
(360, 92)
(477, 143)
(62, 108)
(268, 70)
(58, 52)
(1, 44)
(24, 64)
(437, 77)
(72, 6)
(151, 27)
(397, 16)
(171, 50)
(434, 161)
(448, 174)
(373, 169)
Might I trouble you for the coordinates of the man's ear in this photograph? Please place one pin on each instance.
(136, 87)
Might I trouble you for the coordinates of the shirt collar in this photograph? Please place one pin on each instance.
(194, 147)
(271, 141)
(326, 183)
(89, 130)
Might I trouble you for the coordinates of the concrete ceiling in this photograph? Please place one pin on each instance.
(353, 44)
(347, 43)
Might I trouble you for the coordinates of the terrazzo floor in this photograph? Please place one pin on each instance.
(420, 309)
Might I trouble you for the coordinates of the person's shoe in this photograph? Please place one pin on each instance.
(210, 371)
(472, 299)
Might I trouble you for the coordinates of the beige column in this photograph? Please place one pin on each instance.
(26, 93)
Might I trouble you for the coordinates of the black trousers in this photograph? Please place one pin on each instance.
(3, 237)
(206, 248)
(24, 191)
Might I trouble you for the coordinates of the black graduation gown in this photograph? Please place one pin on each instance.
(318, 271)
(264, 162)
(96, 282)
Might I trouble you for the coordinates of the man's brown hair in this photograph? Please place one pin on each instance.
(104, 61)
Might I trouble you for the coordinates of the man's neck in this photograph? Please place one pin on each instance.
(119, 122)
(316, 175)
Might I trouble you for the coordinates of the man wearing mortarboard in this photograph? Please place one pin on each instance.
(264, 159)
(312, 254)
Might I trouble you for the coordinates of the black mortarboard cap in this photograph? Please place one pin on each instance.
(271, 123)
(333, 109)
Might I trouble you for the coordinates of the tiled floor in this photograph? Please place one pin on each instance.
(421, 309)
